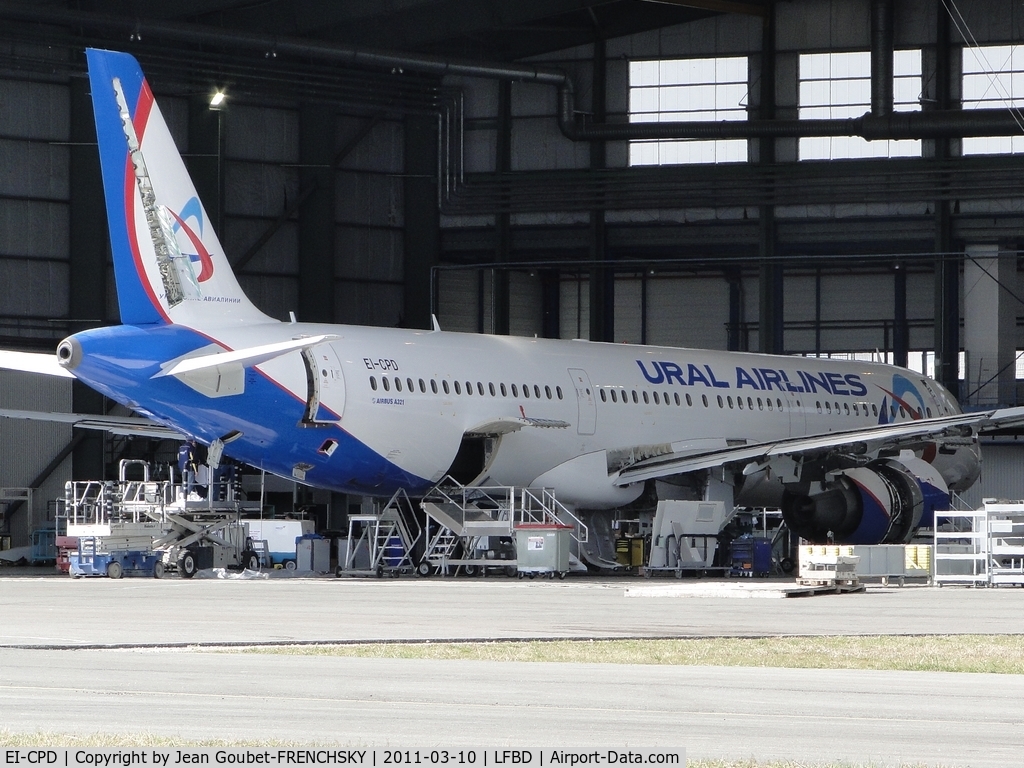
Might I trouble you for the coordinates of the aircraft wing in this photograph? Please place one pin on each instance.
(118, 425)
(858, 442)
(33, 362)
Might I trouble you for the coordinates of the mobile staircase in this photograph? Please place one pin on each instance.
(383, 542)
(470, 529)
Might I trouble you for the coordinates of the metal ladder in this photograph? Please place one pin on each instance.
(387, 537)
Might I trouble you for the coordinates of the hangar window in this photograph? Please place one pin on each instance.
(373, 383)
(993, 79)
(838, 85)
(685, 90)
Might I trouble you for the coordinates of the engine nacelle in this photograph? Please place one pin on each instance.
(882, 503)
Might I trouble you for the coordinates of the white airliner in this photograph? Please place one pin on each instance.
(852, 452)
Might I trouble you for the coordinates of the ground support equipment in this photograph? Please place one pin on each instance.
(383, 542)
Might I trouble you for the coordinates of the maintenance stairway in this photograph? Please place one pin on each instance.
(473, 528)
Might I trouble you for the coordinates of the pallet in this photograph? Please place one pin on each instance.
(806, 587)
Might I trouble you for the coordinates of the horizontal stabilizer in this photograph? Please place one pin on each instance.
(33, 362)
(244, 357)
(118, 425)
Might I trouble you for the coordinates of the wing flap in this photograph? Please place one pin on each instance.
(118, 425)
(853, 442)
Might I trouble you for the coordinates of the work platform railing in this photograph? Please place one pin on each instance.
(472, 527)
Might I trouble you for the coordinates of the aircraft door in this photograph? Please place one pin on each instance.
(585, 400)
(325, 385)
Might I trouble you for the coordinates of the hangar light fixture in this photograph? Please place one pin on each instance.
(217, 100)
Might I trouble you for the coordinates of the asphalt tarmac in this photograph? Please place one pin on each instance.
(135, 656)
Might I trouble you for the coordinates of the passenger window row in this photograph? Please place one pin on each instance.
(617, 395)
(527, 390)
(862, 408)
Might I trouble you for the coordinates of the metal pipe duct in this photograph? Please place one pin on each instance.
(905, 125)
(882, 49)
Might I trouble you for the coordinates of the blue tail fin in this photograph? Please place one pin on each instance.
(168, 263)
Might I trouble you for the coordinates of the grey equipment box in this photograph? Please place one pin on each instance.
(542, 548)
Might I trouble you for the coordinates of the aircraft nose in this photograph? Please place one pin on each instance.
(69, 353)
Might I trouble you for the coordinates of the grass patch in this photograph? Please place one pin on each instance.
(57, 740)
(1002, 654)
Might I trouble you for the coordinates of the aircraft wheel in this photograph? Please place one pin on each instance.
(114, 570)
(187, 565)
(250, 561)
(158, 569)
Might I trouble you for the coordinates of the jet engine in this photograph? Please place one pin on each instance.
(882, 503)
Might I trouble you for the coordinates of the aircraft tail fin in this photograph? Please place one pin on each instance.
(168, 263)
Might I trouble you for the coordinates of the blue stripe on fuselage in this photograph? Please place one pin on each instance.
(120, 361)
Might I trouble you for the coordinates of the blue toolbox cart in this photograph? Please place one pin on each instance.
(751, 556)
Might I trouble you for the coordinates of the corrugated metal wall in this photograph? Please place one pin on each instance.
(26, 447)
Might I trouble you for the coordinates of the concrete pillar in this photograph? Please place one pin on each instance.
(422, 240)
(87, 271)
(316, 216)
(990, 324)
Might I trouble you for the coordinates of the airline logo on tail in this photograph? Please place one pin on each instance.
(193, 210)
